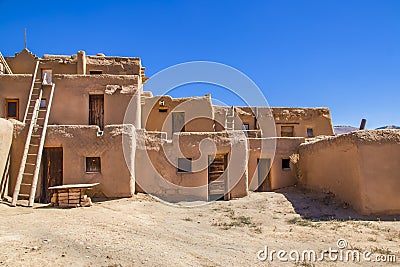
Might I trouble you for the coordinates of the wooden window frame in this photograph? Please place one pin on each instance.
(97, 168)
(12, 100)
(283, 133)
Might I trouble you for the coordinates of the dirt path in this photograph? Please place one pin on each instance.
(141, 231)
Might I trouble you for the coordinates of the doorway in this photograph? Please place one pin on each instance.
(96, 110)
(217, 177)
(52, 171)
(47, 77)
(264, 175)
(178, 122)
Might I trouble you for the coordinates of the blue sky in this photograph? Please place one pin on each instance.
(341, 54)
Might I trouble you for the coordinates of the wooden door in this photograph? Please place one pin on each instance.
(96, 110)
(52, 171)
(264, 177)
(178, 122)
(217, 177)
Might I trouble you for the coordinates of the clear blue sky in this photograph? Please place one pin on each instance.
(341, 54)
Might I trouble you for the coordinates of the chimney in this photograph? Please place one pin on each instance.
(363, 123)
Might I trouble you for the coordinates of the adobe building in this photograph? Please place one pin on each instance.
(69, 124)
(361, 168)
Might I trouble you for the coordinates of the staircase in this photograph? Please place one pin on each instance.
(37, 118)
(4, 63)
(230, 119)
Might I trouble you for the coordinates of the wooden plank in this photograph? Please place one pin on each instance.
(67, 186)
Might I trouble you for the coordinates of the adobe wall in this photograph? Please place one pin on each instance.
(361, 168)
(24, 63)
(319, 119)
(198, 114)
(284, 149)
(71, 96)
(6, 133)
(158, 158)
(79, 142)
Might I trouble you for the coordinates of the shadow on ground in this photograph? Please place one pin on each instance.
(317, 206)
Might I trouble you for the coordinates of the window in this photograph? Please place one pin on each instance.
(310, 132)
(93, 164)
(43, 104)
(184, 165)
(245, 127)
(285, 164)
(287, 131)
(95, 72)
(178, 122)
(47, 76)
(12, 106)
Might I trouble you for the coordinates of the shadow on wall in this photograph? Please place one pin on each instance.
(316, 206)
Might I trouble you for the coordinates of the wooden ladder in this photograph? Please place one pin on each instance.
(28, 174)
(4, 62)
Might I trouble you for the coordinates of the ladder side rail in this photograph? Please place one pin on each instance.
(41, 145)
(7, 68)
(6, 176)
(26, 150)
(31, 91)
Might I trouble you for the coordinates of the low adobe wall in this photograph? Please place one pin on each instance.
(156, 164)
(6, 133)
(79, 142)
(362, 168)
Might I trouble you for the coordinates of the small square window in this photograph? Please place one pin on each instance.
(285, 164)
(43, 104)
(184, 165)
(245, 127)
(310, 132)
(93, 164)
(287, 131)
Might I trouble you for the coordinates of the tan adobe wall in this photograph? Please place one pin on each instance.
(285, 148)
(114, 65)
(79, 142)
(198, 114)
(362, 168)
(71, 97)
(24, 63)
(319, 119)
(163, 157)
(6, 134)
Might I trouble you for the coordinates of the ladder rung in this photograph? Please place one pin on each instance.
(33, 145)
(31, 164)
(25, 173)
(23, 195)
(32, 154)
(25, 184)
(35, 135)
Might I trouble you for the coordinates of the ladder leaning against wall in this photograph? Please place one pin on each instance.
(37, 117)
(4, 63)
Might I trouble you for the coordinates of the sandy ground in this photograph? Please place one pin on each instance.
(141, 231)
